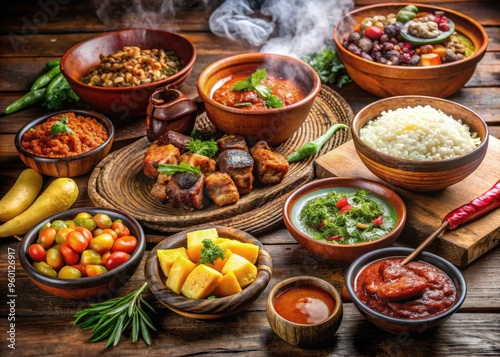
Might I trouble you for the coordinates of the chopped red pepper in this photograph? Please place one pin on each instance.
(333, 238)
(342, 202)
(321, 224)
(378, 221)
(345, 209)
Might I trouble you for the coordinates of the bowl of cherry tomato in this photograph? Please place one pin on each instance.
(83, 253)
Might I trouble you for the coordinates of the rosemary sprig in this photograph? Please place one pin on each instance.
(109, 319)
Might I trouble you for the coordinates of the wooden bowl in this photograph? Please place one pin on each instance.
(274, 125)
(420, 175)
(207, 308)
(341, 252)
(304, 335)
(96, 287)
(69, 166)
(385, 80)
(123, 102)
(402, 325)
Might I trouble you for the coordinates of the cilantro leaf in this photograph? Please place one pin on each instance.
(274, 102)
(60, 126)
(254, 83)
(329, 66)
(169, 169)
(207, 148)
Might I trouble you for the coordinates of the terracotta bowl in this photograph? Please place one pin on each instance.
(70, 166)
(420, 175)
(385, 80)
(123, 102)
(98, 287)
(273, 125)
(207, 308)
(401, 325)
(341, 252)
(304, 335)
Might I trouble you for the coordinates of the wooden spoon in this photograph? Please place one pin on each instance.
(476, 208)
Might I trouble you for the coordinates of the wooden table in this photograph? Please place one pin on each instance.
(34, 32)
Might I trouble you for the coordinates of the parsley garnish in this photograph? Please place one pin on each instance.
(169, 169)
(211, 252)
(329, 66)
(60, 126)
(254, 82)
(207, 148)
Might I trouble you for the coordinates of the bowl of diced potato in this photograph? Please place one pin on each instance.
(208, 272)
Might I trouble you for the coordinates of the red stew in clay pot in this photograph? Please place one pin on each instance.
(307, 305)
(285, 89)
(415, 290)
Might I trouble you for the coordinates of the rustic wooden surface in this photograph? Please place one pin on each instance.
(43, 323)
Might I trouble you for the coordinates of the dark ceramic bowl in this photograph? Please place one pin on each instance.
(206, 308)
(341, 252)
(70, 166)
(384, 80)
(273, 125)
(101, 286)
(123, 102)
(401, 325)
(420, 175)
(304, 335)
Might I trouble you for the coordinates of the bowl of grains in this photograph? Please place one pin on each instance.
(65, 143)
(420, 143)
(116, 72)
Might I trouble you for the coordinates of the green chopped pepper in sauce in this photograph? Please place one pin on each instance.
(346, 217)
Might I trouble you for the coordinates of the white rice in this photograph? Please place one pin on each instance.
(419, 133)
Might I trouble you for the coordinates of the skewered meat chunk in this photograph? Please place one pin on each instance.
(158, 191)
(261, 144)
(232, 142)
(159, 154)
(185, 191)
(221, 189)
(178, 140)
(239, 165)
(206, 164)
(270, 166)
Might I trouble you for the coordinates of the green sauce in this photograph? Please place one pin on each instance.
(323, 217)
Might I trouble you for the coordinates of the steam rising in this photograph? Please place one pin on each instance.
(291, 27)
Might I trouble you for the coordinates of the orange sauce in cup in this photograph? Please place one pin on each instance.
(304, 305)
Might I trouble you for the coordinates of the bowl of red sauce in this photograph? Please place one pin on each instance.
(261, 96)
(305, 311)
(414, 298)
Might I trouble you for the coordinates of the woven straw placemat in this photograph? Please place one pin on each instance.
(118, 181)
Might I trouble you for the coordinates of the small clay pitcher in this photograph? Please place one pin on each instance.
(169, 109)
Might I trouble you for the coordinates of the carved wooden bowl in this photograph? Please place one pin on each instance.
(207, 308)
(385, 80)
(420, 175)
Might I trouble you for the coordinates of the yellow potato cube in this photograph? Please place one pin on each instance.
(200, 282)
(219, 263)
(246, 250)
(242, 268)
(166, 257)
(195, 242)
(228, 285)
(179, 271)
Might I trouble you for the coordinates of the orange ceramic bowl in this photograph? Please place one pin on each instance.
(273, 125)
(123, 102)
(99, 287)
(385, 80)
(346, 253)
(71, 166)
(420, 175)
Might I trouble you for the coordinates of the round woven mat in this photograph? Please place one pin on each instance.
(118, 180)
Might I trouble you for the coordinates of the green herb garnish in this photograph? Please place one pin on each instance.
(169, 169)
(207, 148)
(211, 252)
(329, 66)
(109, 319)
(60, 126)
(254, 83)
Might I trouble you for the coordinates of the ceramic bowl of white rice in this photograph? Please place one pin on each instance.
(420, 143)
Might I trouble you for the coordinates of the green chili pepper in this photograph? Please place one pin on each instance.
(53, 63)
(28, 99)
(407, 13)
(314, 146)
(45, 78)
(54, 83)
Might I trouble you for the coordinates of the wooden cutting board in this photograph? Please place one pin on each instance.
(425, 211)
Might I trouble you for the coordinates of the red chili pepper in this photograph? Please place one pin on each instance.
(345, 209)
(321, 224)
(342, 202)
(479, 206)
(333, 238)
(378, 221)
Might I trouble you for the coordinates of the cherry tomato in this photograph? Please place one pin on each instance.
(93, 270)
(37, 252)
(102, 243)
(87, 233)
(62, 234)
(77, 241)
(125, 244)
(374, 32)
(378, 221)
(104, 257)
(83, 215)
(69, 272)
(116, 259)
(102, 220)
(342, 202)
(81, 268)
(90, 256)
(58, 224)
(85, 222)
(344, 209)
(54, 258)
(70, 257)
(46, 237)
(120, 229)
(110, 231)
(44, 268)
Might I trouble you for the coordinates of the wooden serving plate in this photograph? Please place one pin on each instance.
(425, 211)
(118, 180)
